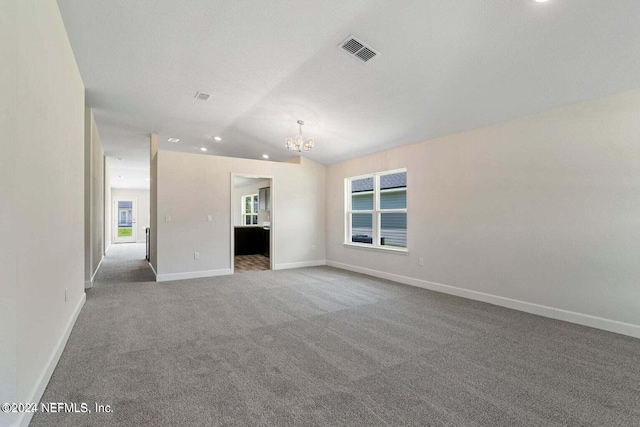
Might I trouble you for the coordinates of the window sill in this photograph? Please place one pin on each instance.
(399, 251)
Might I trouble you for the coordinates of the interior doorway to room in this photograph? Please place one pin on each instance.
(252, 225)
(125, 214)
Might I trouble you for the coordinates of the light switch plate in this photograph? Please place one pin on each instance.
(167, 218)
(209, 218)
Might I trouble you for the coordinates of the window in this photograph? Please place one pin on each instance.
(250, 209)
(376, 210)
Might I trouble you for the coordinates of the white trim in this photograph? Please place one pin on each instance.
(376, 212)
(89, 283)
(192, 275)
(392, 249)
(541, 310)
(153, 269)
(43, 380)
(272, 220)
(301, 264)
(107, 248)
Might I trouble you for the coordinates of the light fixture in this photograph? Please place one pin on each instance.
(173, 140)
(540, 1)
(217, 138)
(296, 143)
(203, 149)
(201, 96)
(265, 156)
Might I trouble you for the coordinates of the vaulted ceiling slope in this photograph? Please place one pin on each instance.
(444, 67)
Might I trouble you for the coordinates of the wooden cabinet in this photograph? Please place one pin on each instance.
(244, 237)
(264, 199)
(252, 241)
(266, 242)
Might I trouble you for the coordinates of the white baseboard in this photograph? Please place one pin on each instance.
(541, 310)
(45, 376)
(89, 283)
(107, 248)
(192, 275)
(302, 264)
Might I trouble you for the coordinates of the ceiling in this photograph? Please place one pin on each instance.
(444, 67)
(243, 181)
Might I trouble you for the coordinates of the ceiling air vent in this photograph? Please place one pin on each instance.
(358, 49)
(202, 96)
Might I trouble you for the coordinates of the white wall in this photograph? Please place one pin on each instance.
(192, 186)
(543, 210)
(249, 188)
(44, 185)
(142, 206)
(8, 214)
(153, 200)
(93, 199)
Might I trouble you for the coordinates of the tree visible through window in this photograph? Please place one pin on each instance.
(250, 209)
(377, 209)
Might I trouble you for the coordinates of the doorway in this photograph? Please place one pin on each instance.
(125, 214)
(252, 223)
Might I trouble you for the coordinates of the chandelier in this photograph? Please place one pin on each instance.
(297, 143)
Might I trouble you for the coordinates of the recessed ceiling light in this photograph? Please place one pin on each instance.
(265, 156)
(120, 158)
(203, 149)
(147, 179)
(173, 139)
(217, 138)
(540, 1)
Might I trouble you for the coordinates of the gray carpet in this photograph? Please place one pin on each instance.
(320, 346)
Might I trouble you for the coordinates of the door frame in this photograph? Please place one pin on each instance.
(272, 215)
(134, 219)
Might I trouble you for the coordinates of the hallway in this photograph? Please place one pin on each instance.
(123, 264)
(113, 322)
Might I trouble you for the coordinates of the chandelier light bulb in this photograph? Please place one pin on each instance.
(298, 143)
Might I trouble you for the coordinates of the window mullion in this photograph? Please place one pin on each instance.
(393, 210)
(348, 216)
(395, 215)
(376, 208)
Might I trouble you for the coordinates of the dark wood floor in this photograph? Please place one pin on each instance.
(251, 263)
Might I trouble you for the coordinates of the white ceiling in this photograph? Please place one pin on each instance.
(444, 67)
(243, 181)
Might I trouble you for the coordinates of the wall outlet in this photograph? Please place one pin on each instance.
(66, 294)
(209, 218)
(421, 261)
(196, 255)
(167, 218)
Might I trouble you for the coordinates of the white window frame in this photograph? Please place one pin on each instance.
(243, 205)
(376, 213)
